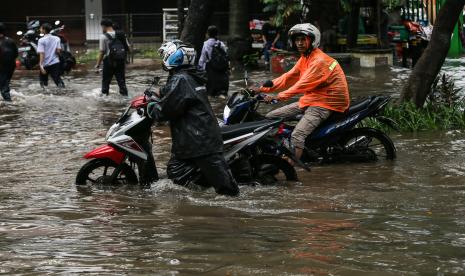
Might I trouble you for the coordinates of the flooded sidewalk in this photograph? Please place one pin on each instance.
(404, 217)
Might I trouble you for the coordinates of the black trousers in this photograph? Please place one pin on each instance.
(5, 77)
(217, 82)
(217, 173)
(55, 72)
(119, 71)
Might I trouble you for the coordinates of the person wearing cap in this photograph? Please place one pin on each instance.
(318, 78)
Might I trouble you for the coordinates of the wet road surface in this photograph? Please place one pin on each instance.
(390, 218)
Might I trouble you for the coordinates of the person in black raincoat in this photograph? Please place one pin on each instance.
(8, 55)
(196, 136)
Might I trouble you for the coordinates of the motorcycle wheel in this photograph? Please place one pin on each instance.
(97, 172)
(269, 169)
(367, 145)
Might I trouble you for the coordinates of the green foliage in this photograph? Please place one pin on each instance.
(148, 53)
(444, 93)
(89, 56)
(391, 4)
(251, 60)
(444, 110)
(282, 9)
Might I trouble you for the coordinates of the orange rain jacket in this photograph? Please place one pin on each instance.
(319, 77)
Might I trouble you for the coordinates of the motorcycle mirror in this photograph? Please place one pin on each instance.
(19, 33)
(57, 22)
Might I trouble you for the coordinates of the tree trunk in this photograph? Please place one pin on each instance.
(238, 43)
(238, 18)
(352, 32)
(180, 6)
(428, 66)
(196, 23)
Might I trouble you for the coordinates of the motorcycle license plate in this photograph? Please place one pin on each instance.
(257, 45)
(24, 49)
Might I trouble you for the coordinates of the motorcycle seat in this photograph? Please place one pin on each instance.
(353, 108)
(358, 106)
(233, 131)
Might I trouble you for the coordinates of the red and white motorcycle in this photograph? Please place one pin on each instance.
(128, 147)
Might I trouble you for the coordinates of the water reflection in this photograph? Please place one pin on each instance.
(389, 218)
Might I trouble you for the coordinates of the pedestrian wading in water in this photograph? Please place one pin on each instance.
(49, 48)
(8, 55)
(114, 49)
(215, 61)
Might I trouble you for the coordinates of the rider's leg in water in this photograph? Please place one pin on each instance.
(286, 111)
(217, 173)
(312, 118)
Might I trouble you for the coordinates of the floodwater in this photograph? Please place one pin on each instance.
(390, 218)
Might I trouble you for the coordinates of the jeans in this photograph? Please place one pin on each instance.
(119, 71)
(54, 71)
(5, 77)
(313, 117)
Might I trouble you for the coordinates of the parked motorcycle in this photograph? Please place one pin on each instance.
(128, 148)
(27, 49)
(341, 138)
(28, 55)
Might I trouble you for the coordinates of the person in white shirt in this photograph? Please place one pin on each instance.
(49, 48)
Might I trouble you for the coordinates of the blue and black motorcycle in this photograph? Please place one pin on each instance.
(341, 138)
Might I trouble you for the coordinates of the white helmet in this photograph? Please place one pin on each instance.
(308, 30)
(176, 53)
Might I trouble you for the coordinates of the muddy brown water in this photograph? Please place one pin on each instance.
(390, 218)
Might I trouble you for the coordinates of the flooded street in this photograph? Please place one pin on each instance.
(390, 218)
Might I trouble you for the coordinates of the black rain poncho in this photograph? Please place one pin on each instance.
(184, 103)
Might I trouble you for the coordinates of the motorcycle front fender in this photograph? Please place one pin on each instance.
(106, 152)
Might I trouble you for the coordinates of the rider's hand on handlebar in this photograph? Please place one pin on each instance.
(270, 99)
(254, 89)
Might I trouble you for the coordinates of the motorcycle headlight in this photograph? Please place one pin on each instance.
(226, 113)
(112, 130)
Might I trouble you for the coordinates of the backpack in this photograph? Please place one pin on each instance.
(219, 60)
(118, 49)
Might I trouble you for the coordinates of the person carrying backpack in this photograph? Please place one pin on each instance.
(8, 55)
(215, 61)
(114, 49)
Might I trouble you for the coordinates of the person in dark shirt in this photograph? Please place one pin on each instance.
(8, 55)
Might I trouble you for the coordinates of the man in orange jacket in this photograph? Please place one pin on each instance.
(318, 77)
